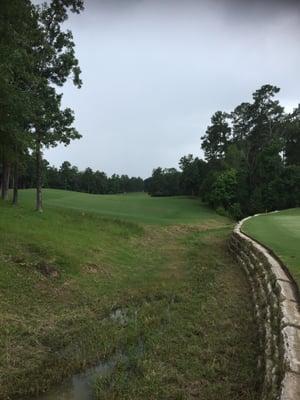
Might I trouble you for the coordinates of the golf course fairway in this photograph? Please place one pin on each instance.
(280, 231)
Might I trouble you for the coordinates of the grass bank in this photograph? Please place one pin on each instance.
(65, 272)
(281, 232)
(135, 207)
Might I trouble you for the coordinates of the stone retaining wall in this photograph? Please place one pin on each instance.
(277, 313)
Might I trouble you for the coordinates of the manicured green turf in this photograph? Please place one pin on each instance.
(281, 232)
(64, 271)
(138, 207)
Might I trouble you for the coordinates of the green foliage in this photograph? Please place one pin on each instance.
(292, 138)
(263, 152)
(164, 182)
(216, 138)
(252, 160)
(36, 56)
(171, 182)
(193, 172)
(224, 189)
(17, 37)
(235, 211)
(68, 177)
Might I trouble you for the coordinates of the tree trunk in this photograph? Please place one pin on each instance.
(5, 180)
(39, 204)
(16, 184)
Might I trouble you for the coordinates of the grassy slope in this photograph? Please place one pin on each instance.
(136, 207)
(64, 271)
(281, 232)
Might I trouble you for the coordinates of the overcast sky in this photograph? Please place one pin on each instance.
(154, 71)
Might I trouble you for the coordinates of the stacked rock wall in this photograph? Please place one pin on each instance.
(276, 302)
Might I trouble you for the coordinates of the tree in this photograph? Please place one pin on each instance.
(263, 143)
(224, 189)
(55, 61)
(87, 181)
(68, 176)
(256, 131)
(17, 35)
(101, 183)
(36, 56)
(165, 182)
(51, 127)
(114, 184)
(292, 138)
(193, 174)
(217, 136)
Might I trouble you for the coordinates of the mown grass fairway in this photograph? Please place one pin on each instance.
(281, 232)
(165, 266)
(137, 207)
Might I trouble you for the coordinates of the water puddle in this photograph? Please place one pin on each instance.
(80, 386)
(120, 316)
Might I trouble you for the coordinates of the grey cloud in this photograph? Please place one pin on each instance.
(154, 72)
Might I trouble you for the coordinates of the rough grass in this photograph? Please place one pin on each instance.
(281, 232)
(64, 271)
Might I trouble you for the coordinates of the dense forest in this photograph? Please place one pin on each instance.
(252, 160)
(69, 177)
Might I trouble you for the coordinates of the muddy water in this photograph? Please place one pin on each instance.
(120, 316)
(80, 386)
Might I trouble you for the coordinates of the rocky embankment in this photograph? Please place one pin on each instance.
(276, 300)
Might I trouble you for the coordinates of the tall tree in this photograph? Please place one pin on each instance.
(292, 138)
(256, 130)
(51, 127)
(55, 62)
(217, 136)
(193, 173)
(17, 35)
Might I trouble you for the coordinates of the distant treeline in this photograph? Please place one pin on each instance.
(252, 160)
(68, 177)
